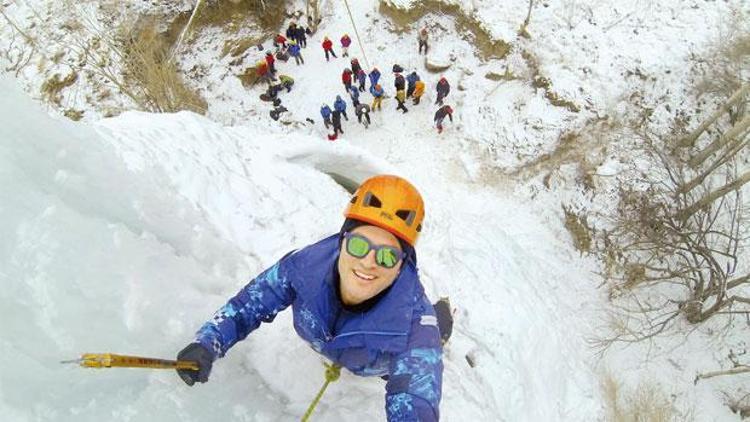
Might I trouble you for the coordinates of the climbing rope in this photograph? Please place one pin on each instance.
(184, 30)
(333, 372)
(356, 33)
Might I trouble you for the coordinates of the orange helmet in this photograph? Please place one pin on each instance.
(391, 203)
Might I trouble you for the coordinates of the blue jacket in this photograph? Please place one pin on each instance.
(412, 78)
(354, 93)
(325, 111)
(374, 77)
(294, 50)
(339, 104)
(398, 337)
(376, 92)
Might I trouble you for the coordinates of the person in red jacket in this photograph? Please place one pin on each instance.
(270, 61)
(280, 40)
(345, 43)
(328, 47)
(346, 79)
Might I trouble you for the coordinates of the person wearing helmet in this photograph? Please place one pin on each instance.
(356, 298)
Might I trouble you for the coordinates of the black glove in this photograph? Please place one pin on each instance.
(197, 353)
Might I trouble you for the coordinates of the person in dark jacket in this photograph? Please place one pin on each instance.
(356, 298)
(328, 47)
(346, 78)
(362, 79)
(325, 112)
(443, 88)
(374, 77)
(336, 120)
(363, 114)
(340, 106)
(291, 31)
(355, 66)
(399, 82)
(443, 111)
(296, 52)
(411, 80)
(300, 34)
(401, 99)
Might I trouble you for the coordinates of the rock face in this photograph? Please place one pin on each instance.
(436, 64)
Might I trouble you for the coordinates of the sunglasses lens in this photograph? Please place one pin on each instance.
(357, 247)
(386, 257)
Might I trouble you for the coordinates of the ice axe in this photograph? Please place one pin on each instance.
(110, 360)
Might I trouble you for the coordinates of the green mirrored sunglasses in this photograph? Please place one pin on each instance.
(359, 246)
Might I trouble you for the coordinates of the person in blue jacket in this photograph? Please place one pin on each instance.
(374, 77)
(325, 112)
(340, 106)
(354, 95)
(377, 97)
(411, 81)
(356, 299)
(294, 51)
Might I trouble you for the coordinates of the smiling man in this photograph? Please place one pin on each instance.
(356, 299)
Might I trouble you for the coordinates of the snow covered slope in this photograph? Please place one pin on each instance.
(125, 236)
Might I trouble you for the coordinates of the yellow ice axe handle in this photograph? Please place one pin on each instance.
(109, 360)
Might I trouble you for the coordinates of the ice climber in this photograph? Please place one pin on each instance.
(356, 298)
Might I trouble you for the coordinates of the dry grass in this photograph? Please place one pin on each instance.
(53, 86)
(579, 229)
(154, 80)
(647, 403)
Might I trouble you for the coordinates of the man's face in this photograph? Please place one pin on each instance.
(362, 278)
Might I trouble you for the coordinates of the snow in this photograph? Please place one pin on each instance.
(125, 234)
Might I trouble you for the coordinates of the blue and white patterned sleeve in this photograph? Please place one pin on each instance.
(415, 381)
(259, 301)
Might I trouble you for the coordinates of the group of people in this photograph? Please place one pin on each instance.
(354, 78)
